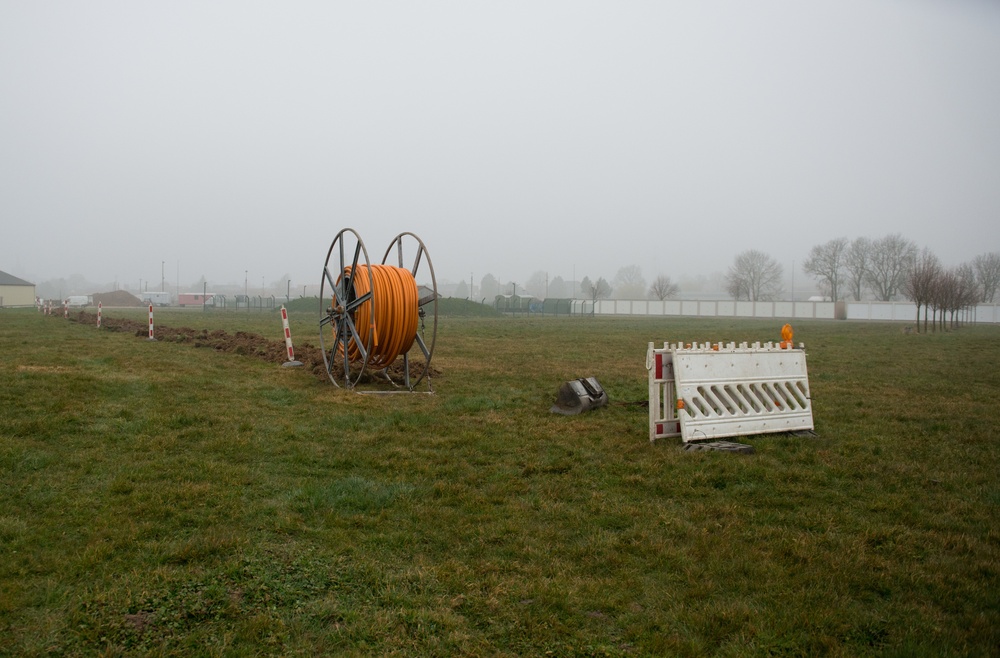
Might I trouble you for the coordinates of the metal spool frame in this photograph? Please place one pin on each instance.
(352, 345)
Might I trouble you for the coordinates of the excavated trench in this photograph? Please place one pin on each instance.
(240, 343)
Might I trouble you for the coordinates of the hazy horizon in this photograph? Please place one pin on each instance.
(234, 141)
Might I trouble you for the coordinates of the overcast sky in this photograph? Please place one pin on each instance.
(566, 136)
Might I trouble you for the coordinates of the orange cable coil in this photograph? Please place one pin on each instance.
(394, 304)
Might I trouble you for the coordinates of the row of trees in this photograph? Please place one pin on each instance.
(845, 267)
(888, 268)
(840, 267)
(627, 284)
(943, 293)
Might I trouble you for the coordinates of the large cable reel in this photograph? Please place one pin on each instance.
(377, 314)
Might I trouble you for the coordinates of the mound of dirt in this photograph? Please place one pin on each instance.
(116, 298)
(241, 343)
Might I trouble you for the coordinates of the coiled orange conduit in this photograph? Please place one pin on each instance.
(394, 307)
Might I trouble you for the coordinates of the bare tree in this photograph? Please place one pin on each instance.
(968, 291)
(921, 281)
(629, 283)
(856, 263)
(945, 294)
(663, 288)
(826, 264)
(891, 258)
(599, 290)
(987, 268)
(754, 276)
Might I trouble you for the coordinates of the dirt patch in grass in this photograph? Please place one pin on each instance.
(241, 343)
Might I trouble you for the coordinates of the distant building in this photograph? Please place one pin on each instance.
(15, 291)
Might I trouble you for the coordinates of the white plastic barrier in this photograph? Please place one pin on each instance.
(710, 391)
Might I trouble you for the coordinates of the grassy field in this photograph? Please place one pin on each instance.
(158, 498)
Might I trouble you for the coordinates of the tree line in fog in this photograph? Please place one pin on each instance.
(884, 269)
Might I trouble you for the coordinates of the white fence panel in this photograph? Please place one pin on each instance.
(900, 311)
(986, 313)
(784, 309)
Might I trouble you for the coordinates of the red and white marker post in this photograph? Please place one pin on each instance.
(99, 305)
(288, 341)
(65, 308)
(151, 322)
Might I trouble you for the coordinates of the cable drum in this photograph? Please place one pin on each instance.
(395, 307)
(376, 313)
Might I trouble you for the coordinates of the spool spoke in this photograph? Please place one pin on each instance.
(416, 262)
(423, 346)
(358, 302)
(329, 279)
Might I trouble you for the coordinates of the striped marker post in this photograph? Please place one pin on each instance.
(151, 322)
(99, 305)
(65, 308)
(288, 341)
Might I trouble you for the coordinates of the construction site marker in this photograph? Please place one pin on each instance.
(151, 322)
(708, 391)
(291, 362)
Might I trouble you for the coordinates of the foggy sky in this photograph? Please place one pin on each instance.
(235, 139)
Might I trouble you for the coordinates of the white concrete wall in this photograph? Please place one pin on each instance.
(882, 311)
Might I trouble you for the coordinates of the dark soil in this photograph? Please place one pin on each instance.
(116, 298)
(241, 343)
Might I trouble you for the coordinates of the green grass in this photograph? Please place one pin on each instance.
(161, 499)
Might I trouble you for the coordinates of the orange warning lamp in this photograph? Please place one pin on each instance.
(786, 336)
